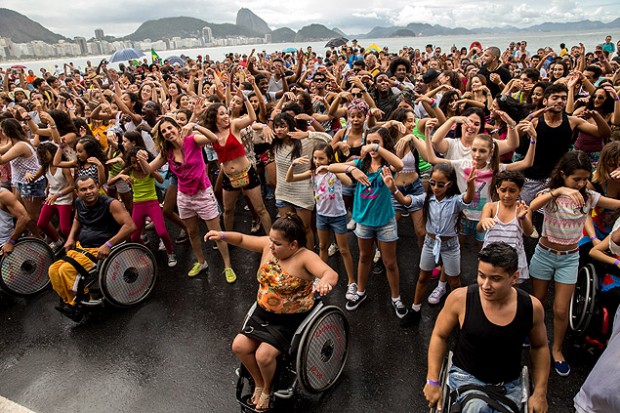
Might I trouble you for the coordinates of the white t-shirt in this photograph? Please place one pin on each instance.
(484, 176)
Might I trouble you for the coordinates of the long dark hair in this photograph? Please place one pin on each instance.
(93, 149)
(608, 104)
(388, 144)
(453, 190)
(286, 119)
(210, 118)
(42, 150)
(568, 165)
(494, 160)
(63, 122)
(471, 111)
(292, 228)
(324, 147)
(13, 130)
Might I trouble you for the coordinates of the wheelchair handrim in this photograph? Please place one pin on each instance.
(583, 298)
(128, 275)
(25, 271)
(323, 351)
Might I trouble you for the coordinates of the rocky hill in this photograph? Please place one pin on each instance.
(245, 18)
(186, 27)
(283, 35)
(20, 29)
(315, 32)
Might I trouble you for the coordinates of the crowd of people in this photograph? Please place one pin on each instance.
(497, 145)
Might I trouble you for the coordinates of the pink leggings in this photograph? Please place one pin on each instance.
(142, 209)
(64, 216)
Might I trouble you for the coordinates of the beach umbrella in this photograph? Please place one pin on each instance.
(18, 67)
(337, 42)
(289, 50)
(172, 60)
(125, 55)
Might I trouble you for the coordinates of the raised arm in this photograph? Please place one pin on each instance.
(248, 242)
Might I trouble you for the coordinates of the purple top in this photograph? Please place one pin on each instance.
(191, 173)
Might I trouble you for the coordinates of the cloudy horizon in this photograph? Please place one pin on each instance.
(120, 18)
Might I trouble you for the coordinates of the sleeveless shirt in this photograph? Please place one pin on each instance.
(552, 144)
(97, 223)
(489, 352)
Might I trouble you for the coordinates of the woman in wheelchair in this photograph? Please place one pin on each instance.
(285, 297)
(493, 319)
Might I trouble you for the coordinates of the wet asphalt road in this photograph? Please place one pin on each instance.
(172, 353)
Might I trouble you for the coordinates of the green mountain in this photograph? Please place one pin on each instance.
(283, 35)
(186, 27)
(20, 29)
(245, 18)
(315, 32)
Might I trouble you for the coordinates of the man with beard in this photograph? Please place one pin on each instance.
(383, 95)
(321, 99)
(496, 74)
(555, 137)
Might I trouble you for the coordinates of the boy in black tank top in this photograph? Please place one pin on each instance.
(493, 318)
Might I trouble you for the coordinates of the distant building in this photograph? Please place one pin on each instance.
(81, 41)
(268, 38)
(207, 35)
(99, 34)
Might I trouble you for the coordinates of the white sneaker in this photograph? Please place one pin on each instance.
(145, 239)
(377, 256)
(436, 295)
(351, 225)
(161, 247)
(332, 250)
(172, 260)
(351, 292)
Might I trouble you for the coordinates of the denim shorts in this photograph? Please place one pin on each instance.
(385, 233)
(32, 190)
(413, 188)
(547, 266)
(281, 204)
(211, 154)
(450, 254)
(338, 224)
(468, 227)
(457, 378)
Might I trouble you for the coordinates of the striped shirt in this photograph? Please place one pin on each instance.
(564, 219)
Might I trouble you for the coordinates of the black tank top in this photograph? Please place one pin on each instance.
(498, 359)
(551, 145)
(97, 222)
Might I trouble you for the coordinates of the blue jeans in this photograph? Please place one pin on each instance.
(458, 378)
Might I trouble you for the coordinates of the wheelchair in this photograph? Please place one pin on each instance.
(591, 312)
(317, 356)
(448, 397)
(124, 279)
(23, 272)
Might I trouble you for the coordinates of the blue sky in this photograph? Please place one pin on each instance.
(122, 17)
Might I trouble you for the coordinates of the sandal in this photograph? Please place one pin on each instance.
(263, 403)
(252, 400)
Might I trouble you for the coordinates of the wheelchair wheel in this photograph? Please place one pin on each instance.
(323, 350)
(128, 275)
(525, 385)
(582, 301)
(25, 271)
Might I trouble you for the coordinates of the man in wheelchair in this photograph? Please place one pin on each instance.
(100, 223)
(493, 318)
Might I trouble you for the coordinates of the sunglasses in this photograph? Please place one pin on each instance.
(438, 184)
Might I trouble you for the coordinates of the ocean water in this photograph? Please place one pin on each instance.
(534, 40)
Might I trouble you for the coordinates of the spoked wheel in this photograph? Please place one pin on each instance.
(24, 271)
(582, 302)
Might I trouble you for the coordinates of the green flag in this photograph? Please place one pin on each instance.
(154, 56)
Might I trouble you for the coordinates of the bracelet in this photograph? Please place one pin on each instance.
(532, 142)
(511, 127)
(12, 241)
(593, 237)
(617, 98)
(223, 235)
(109, 244)
(433, 382)
(376, 149)
(523, 217)
(347, 169)
(395, 192)
(59, 193)
(615, 262)
(53, 127)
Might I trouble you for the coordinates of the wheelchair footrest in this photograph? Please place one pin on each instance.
(286, 394)
(92, 303)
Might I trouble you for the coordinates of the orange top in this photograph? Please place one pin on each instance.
(281, 292)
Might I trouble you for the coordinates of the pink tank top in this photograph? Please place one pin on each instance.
(191, 173)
